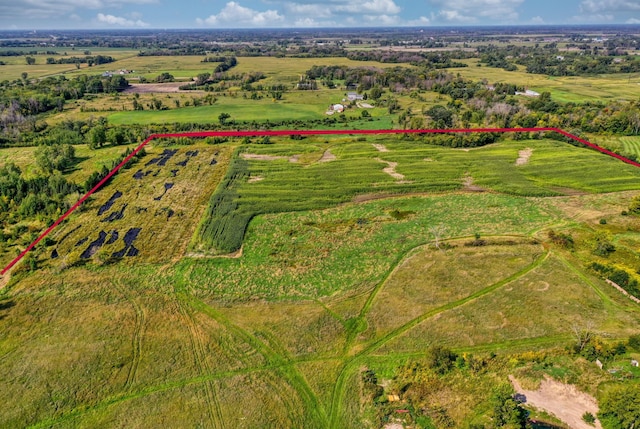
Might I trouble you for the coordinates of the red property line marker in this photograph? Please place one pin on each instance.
(303, 133)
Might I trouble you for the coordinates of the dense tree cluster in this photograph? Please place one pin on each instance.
(90, 60)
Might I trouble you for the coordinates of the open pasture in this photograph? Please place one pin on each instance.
(295, 105)
(17, 65)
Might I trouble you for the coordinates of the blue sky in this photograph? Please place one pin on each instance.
(92, 14)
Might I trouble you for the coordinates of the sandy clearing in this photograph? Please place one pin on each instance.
(393, 426)
(380, 147)
(147, 88)
(327, 156)
(562, 400)
(391, 169)
(364, 105)
(294, 158)
(523, 156)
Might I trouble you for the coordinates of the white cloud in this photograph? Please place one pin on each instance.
(480, 11)
(423, 20)
(633, 21)
(372, 7)
(236, 15)
(592, 18)
(305, 11)
(120, 21)
(40, 9)
(537, 20)
(609, 6)
(382, 19)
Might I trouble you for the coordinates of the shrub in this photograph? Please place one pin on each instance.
(589, 418)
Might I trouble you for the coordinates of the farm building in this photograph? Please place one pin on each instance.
(354, 96)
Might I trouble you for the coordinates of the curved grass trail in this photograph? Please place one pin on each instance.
(339, 387)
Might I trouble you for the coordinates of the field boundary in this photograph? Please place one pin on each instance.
(203, 134)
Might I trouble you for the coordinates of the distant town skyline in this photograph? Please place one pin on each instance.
(119, 14)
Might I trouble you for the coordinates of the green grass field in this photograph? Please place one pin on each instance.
(335, 268)
(338, 272)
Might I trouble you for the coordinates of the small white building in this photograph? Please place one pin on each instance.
(354, 96)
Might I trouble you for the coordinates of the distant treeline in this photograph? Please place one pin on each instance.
(549, 60)
(91, 60)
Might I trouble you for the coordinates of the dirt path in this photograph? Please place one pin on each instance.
(391, 169)
(523, 156)
(380, 147)
(562, 400)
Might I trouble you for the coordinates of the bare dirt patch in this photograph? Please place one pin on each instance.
(254, 179)
(258, 157)
(391, 169)
(294, 158)
(564, 401)
(523, 156)
(327, 156)
(543, 286)
(147, 88)
(380, 147)
(364, 105)
(467, 183)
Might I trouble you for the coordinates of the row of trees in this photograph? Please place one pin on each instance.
(90, 60)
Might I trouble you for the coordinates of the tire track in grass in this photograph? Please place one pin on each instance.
(199, 357)
(352, 364)
(286, 366)
(138, 333)
(148, 391)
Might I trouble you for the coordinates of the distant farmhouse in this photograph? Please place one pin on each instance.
(354, 96)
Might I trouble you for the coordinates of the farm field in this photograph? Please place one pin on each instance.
(316, 281)
(339, 273)
(566, 89)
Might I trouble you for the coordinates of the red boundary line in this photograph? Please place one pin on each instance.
(304, 133)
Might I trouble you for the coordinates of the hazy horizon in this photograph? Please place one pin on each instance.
(253, 14)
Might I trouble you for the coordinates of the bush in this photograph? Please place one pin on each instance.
(589, 418)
